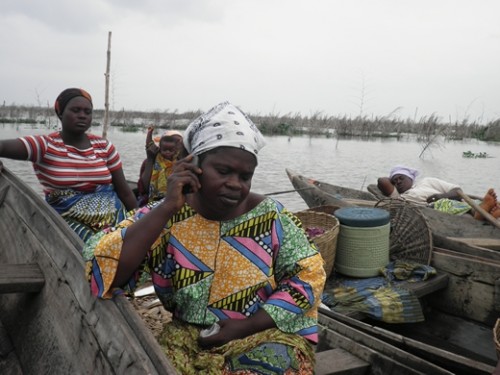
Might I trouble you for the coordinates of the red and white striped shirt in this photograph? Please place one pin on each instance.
(59, 166)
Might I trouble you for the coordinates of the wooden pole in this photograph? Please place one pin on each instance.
(479, 209)
(106, 92)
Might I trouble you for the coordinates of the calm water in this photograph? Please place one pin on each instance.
(351, 163)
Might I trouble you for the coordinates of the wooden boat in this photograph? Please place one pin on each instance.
(344, 349)
(318, 193)
(49, 322)
(457, 332)
(460, 317)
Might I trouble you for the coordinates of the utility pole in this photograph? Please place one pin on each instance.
(106, 93)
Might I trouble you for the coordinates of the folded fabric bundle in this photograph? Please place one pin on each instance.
(380, 297)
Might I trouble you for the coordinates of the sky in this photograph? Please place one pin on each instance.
(378, 58)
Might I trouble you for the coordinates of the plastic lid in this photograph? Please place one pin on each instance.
(362, 216)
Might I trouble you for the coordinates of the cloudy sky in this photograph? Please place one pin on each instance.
(402, 58)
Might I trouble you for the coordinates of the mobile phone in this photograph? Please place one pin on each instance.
(187, 189)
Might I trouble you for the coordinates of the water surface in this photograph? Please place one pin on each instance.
(352, 163)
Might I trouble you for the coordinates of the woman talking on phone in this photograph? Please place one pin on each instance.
(234, 267)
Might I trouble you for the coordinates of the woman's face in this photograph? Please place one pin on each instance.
(402, 182)
(226, 181)
(77, 115)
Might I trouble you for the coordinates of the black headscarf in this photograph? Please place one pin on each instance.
(65, 96)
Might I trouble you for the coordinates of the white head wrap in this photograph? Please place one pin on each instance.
(167, 133)
(400, 169)
(223, 125)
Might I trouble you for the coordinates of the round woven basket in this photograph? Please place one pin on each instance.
(327, 209)
(410, 236)
(496, 337)
(326, 242)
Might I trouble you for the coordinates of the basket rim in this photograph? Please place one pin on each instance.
(326, 242)
(317, 214)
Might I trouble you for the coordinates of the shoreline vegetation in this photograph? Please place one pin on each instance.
(425, 128)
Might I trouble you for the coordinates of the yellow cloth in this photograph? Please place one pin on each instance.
(162, 168)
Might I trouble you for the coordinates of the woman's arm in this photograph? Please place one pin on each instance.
(452, 194)
(147, 165)
(139, 238)
(13, 149)
(146, 172)
(141, 235)
(385, 186)
(233, 329)
(123, 189)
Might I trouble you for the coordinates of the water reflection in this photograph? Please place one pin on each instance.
(352, 163)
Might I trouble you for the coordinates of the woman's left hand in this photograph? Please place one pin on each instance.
(230, 329)
(433, 198)
(233, 329)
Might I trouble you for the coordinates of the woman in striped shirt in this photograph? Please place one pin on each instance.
(81, 173)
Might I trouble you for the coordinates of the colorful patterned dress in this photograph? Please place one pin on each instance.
(204, 271)
(162, 168)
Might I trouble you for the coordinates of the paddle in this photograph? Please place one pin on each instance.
(479, 209)
(290, 191)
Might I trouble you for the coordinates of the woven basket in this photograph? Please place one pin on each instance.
(410, 237)
(326, 242)
(496, 337)
(327, 209)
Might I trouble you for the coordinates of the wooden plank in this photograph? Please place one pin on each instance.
(432, 353)
(383, 357)
(467, 246)
(423, 288)
(471, 289)
(21, 278)
(339, 362)
(485, 243)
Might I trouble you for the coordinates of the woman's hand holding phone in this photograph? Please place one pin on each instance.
(188, 189)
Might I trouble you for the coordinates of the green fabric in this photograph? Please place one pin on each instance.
(451, 206)
(179, 342)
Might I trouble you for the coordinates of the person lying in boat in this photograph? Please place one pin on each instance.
(221, 257)
(161, 155)
(81, 173)
(442, 195)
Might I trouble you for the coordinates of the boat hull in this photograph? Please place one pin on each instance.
(318, 193)
(62, 328)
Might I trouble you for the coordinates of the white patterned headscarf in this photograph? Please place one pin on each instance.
(223, 126)
(401, 169)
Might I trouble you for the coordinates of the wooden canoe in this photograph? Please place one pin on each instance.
(344, 349)
(457, 332)
(49, 321)
(318, 193)
(459, 317)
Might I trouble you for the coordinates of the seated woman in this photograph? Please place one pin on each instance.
(442, 195)
(162, 153)
(220, 257)
(81, 173)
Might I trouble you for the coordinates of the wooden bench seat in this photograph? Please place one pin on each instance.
(423, 288)
(21, 278)
(339, 362)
